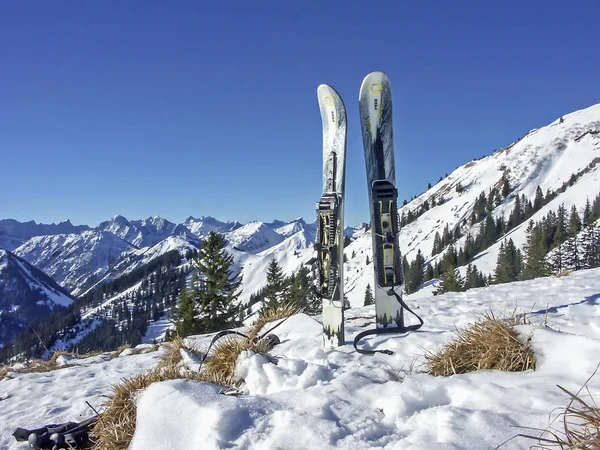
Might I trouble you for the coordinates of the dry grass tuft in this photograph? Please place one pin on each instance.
(142, 350)
(121, 349)
(271, 315)
(3, 371)
(579, 424)
(564, 273)
(490, 343)
(116, 425)
(38, 366)
(171, 355)
(220, 367)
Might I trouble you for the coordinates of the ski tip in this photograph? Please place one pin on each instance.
(327, 95)
(373, 80)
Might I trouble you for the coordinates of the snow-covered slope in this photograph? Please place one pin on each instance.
(291, 253)
(26, 295)
(13, 233)
(75, 261)
(145, 233)
(253, 237)
(204, 225)
(546, 157)
(339, 399)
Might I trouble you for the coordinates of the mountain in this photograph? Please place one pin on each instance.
(13, 233)
(554, 165)
(563, 154)
(75, 261)
(26, 295)
(253, 237)
(204, 225)
(145, 233)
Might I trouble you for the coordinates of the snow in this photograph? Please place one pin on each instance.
(157, 331)
(546, 157)
(336, 398)
(253, 237)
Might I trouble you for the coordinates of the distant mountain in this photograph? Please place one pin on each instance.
(144, 233)
(253, 237)
(204, 225)
(26, 295)
(75, 261)
(13, 233)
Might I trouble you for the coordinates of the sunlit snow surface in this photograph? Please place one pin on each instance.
(337, 398)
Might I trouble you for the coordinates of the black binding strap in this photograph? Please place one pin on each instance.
(223, 333)
(218, 336)
(399, 330)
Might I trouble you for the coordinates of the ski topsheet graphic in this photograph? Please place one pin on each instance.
(375, 104)
(330, 216)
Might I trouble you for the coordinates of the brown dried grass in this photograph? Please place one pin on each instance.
(116, 425)
(579, 421)
(270, 315)
(171, 354)
(120, 349)
(3, 371)
(489, 343)
(220, 367)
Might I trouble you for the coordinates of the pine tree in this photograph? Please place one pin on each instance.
(557, 260)
(572, 254)
(505, 186)
(538, 201)
(507, 264)
(560, 235)
(274, 288)
(574, 222)
(346, 305)
(220, 287)
(516, 216)
(535, 263)
(451, 281)
(590, 243)
(369, 300)
(437, 244)
(586, 219)
(185, 313)
(428, 273)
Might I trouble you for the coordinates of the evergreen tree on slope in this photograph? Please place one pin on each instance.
(220, 288)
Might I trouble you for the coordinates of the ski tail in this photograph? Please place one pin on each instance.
(375, 104)
(330, 215)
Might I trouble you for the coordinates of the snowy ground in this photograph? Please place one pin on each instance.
(339, 399)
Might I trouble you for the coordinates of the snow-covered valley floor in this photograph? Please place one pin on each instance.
(339, 399)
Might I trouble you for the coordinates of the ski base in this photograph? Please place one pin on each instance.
(333, 323)
(328, 236)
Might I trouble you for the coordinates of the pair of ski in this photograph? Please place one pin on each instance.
(375, 104)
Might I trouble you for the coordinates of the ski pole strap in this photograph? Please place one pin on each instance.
(223, 333)
(218, 336)
(399, 330)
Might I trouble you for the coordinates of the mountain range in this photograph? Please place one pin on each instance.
(561, 158)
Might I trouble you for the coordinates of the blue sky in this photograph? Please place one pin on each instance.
(146, 108)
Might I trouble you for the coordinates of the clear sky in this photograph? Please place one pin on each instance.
(144, 108)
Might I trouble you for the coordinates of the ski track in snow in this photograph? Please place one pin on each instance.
(339, 399)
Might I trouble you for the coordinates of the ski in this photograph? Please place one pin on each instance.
(330, 216)
(375, 105)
